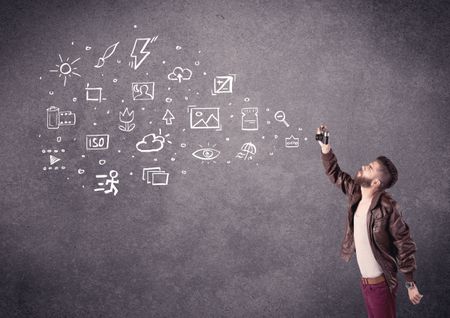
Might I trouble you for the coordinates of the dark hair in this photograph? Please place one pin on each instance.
(389, 171)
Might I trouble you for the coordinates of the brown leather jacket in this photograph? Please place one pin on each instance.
(389, 235)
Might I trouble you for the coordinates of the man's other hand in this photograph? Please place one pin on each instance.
(414, 295)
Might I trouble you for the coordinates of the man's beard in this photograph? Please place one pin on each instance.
(363, 181)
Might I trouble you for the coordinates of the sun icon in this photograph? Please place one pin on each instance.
(66, 69)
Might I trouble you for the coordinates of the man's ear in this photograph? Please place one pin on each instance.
(376, 182)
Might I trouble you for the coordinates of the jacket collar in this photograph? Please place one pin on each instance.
(375, 200)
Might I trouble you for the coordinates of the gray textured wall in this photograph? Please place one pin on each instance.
(241, 238)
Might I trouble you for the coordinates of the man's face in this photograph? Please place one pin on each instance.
(367, 174)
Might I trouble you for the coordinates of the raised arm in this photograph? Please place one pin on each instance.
(340, 178)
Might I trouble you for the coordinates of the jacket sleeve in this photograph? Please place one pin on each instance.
(404, 244)
(340, 178)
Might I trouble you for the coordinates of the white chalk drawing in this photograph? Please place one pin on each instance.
(66, 68)
(57, 118)
(206, 154)
(97, 142)
(168, 117)
(94, 94)
(249, 118)
(248, 150)
(180, 74)
(53, 159)
(204, 117)
(152, 142)
(223, 84)
(280, 117)
(143, 90)
(140, 51)
(108, 52)
(292, 142)
(126, 118)
(155, 176)
(105, 181)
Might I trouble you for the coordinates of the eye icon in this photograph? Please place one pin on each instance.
(206, 154)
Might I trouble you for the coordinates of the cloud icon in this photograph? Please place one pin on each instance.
(179, 74)
(151, 143)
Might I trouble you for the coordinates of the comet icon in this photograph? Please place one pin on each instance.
(140, 51)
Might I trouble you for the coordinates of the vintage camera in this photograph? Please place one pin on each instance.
(323, 135)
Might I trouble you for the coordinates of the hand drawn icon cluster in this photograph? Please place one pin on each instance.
(199, 117)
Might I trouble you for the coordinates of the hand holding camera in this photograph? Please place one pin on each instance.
(323, 137)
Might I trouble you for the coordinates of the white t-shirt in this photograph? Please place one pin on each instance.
(367, 263)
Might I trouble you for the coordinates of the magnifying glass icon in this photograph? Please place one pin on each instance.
(280, 116)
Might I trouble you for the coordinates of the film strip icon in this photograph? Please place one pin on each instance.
(53, 159)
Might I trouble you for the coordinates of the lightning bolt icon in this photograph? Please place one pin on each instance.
(140, 51)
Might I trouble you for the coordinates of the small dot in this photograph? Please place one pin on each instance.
(263, 137)
(172, 159)
(44, 168)
(227, 139)
(43, 150)
(72, 43)
(164, 62)
(306, 138)
(131, 173)
(168, 88)
(197, 93)
(270, 153)
(178, 47)
(204, 73)
(183, 171)
(115, 80)
(300, 129)
(231, 116)
(186, 98)
(119, 151)
(268, 122)
(267, 109)
(135, 26)
(63, 150)
(132, 156)
(40, 77)
(150, 122)
(95, 107)
(228, 161)
(75, 139)
(83, 156)
(119, 61)
(95, 124)
(68, 178)
(184, 129)
(155, 159)
(199, 52)
(275, 136)
(82, 186)
(143, 108)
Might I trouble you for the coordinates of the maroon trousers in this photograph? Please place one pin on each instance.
(380, 302)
